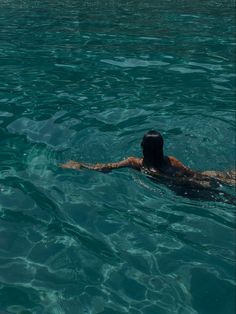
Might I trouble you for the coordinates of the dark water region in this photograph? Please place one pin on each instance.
(85, 80)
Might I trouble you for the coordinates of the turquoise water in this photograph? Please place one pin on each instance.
(85, 80)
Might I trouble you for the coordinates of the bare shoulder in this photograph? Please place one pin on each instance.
(135, 162)
(175, 162)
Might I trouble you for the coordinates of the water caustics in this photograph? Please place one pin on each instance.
(84, 80)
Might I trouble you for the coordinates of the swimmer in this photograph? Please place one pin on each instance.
(159, 166)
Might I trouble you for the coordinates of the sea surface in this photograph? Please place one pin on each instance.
(84, 80)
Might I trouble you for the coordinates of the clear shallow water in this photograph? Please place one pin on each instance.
(84, 81)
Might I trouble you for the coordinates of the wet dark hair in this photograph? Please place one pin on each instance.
(152, 145)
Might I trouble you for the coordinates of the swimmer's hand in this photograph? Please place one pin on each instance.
(71, 165)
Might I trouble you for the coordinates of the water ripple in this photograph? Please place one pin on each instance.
(85, 81)
(130, 63)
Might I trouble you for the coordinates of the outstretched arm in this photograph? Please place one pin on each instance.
(131, 162)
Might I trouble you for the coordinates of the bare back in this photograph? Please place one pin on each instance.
(175, 171)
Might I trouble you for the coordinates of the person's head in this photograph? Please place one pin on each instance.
(152, 145)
